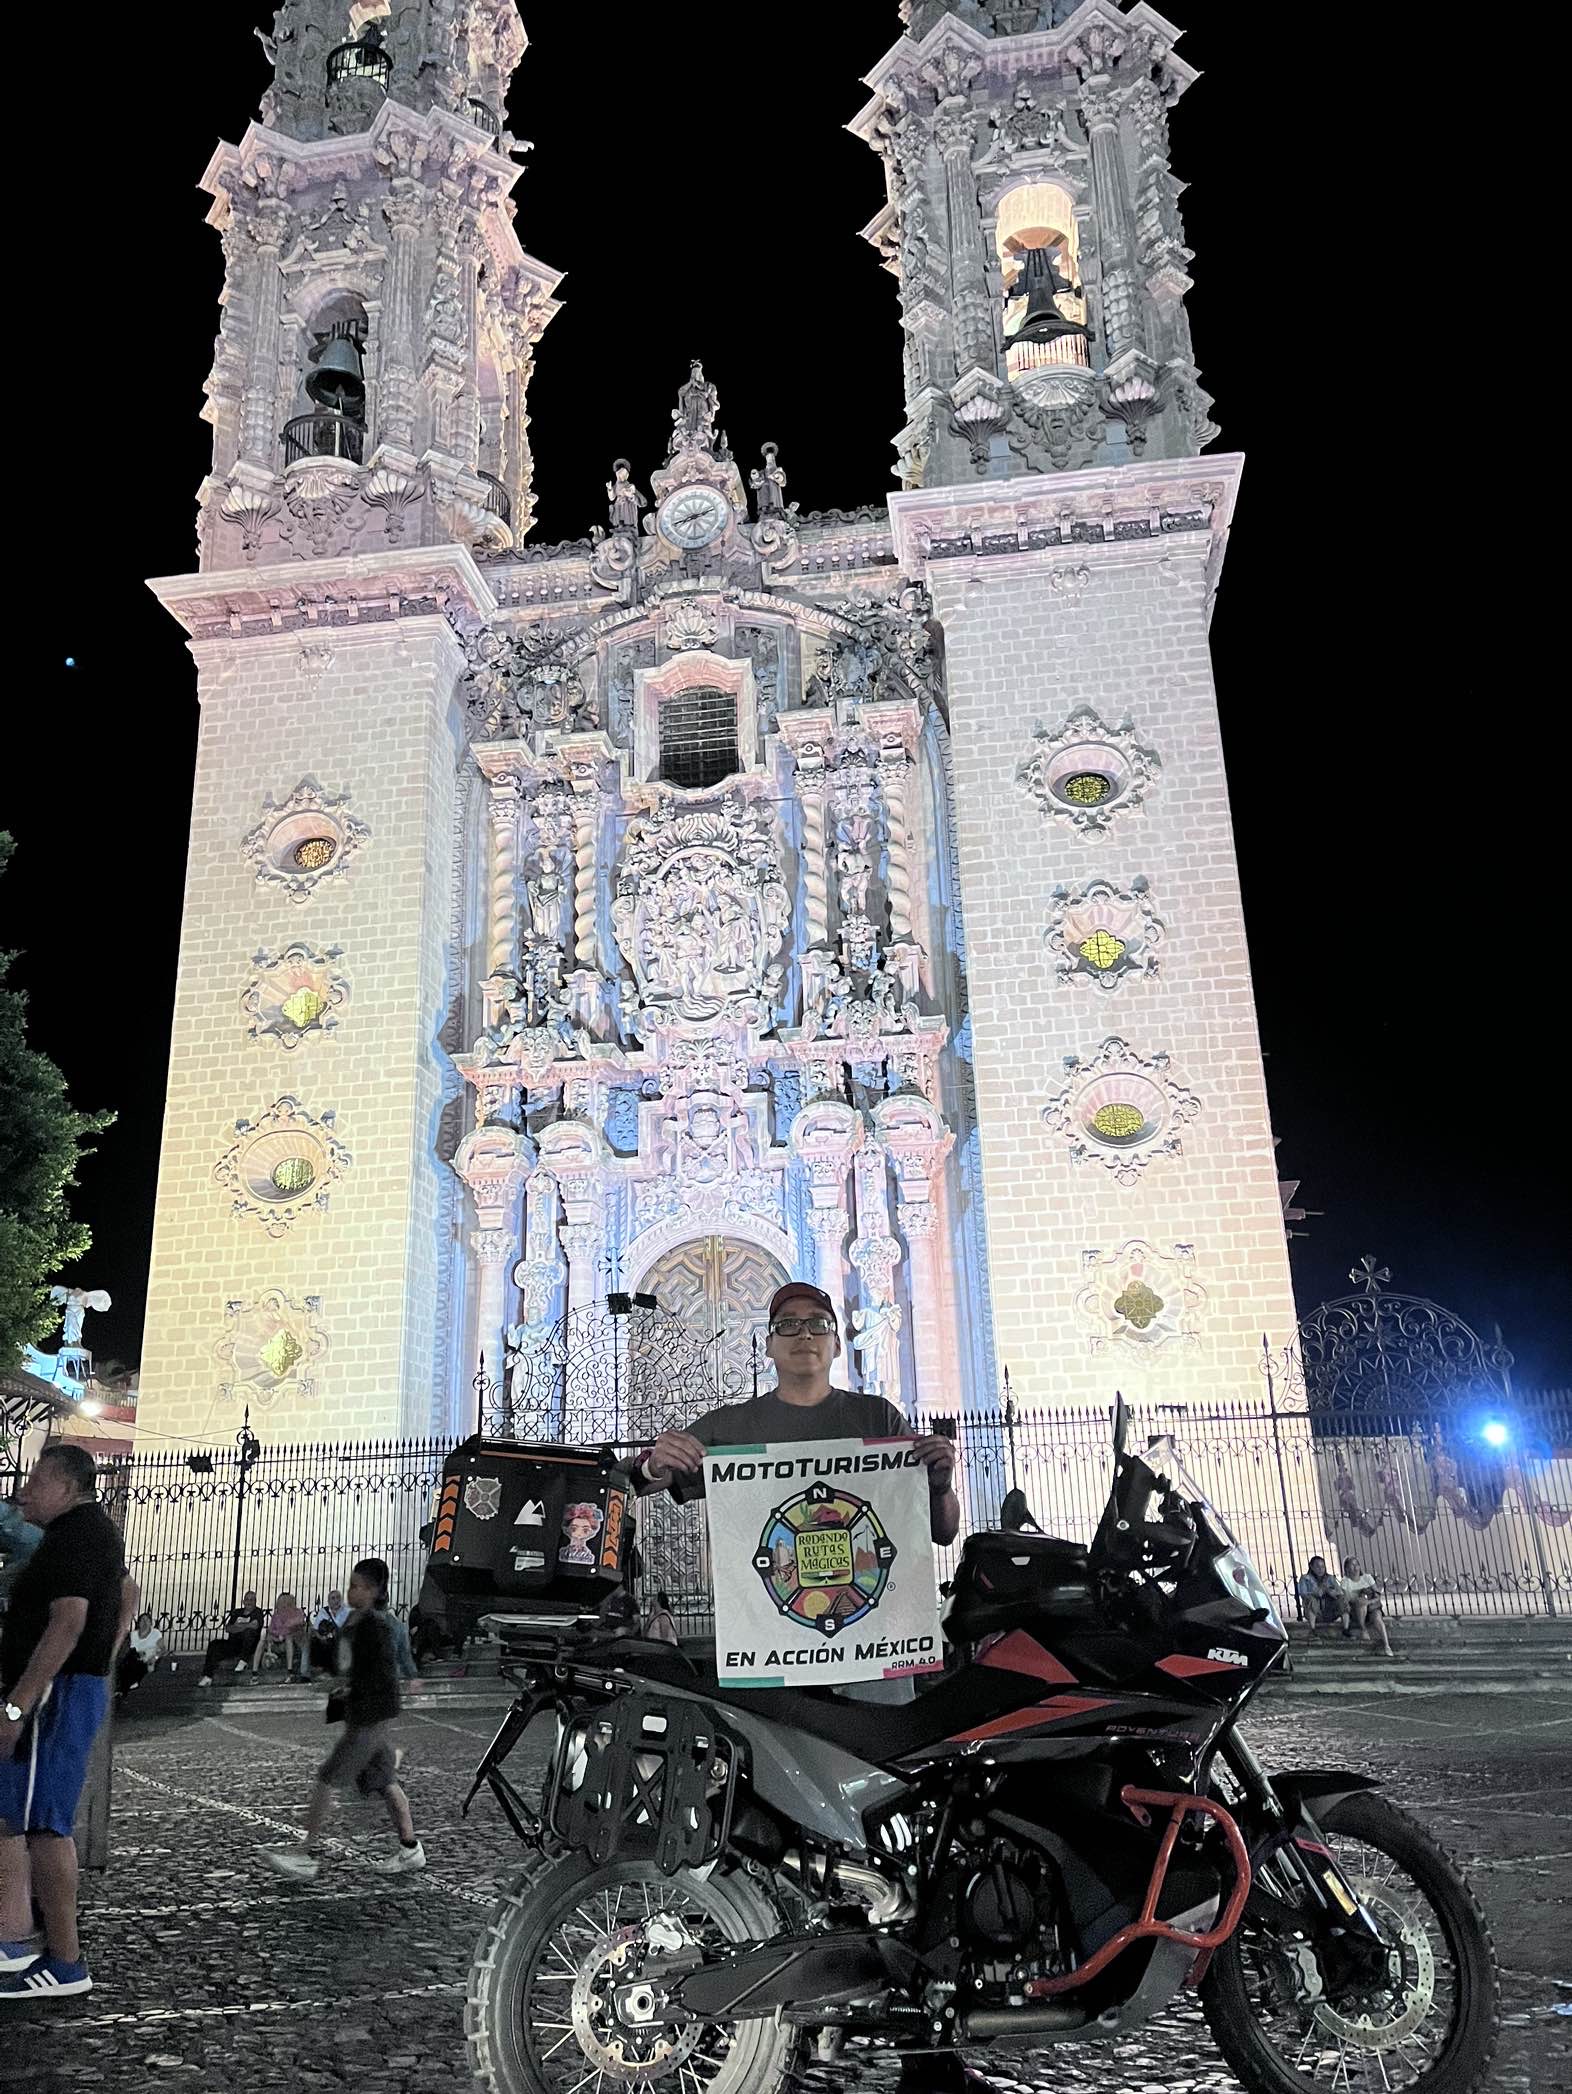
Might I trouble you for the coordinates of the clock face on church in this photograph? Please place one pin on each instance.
(692, 517)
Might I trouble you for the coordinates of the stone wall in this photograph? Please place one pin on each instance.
(352, 1284)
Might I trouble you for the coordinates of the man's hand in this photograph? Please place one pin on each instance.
(937, 1456)
(671, 1453)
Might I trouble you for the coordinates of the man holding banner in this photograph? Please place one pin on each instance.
(824, 1554)
(804, 1345)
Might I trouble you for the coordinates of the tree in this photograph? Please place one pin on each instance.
(42, 1140)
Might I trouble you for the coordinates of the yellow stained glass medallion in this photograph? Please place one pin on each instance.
(304, 1008)
(1102, 950)
(293, 1175)
(1118, 1123)
(280, 1353)
(314, 853)
(1087, 788)
(1138, 1305)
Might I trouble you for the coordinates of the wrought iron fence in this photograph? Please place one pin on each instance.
(1444, 1521)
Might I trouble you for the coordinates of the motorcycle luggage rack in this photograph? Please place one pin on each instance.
(655, 1773)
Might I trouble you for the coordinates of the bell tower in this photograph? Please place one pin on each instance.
(379, 315)
(1032, 222)
(1058, 510)
(368, 409)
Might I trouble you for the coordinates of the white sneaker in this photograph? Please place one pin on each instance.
(292, 1861)
(206, 1680)
(240, 1665)
(401, 1860)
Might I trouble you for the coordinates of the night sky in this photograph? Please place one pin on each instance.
(695, 184)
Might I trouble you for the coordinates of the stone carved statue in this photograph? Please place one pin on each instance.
(826, 1006)
(698, 403)
(625, 499)
(76, 1301)
(700, 907)
(853, 863)
(544, 891)
(769, 483)
(876, 1340)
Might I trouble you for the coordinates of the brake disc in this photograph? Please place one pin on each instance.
(1382, 2019)
(629, 2052)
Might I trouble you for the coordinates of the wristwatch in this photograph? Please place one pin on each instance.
(13, 1714)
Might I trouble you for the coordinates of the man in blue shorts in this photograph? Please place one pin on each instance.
(69, 1612)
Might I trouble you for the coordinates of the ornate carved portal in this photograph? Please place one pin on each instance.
(722, 1288)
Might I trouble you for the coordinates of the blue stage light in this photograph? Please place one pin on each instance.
(1494, 1433)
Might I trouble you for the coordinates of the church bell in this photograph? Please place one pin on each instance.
(1042, 284)
(338, 382)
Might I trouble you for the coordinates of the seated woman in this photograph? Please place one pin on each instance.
(325, 1626)
(289, 1634)
(138, 1657)
(1364, 1606)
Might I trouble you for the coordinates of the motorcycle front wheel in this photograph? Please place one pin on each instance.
(541, 2015)
(1290, 2022)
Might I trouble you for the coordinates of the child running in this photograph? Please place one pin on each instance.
(365, 1753)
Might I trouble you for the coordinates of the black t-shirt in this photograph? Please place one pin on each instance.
(763, 1420)
(373, 1668)
(79, 1558)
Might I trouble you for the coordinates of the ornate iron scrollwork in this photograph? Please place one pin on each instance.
(1392, 1353)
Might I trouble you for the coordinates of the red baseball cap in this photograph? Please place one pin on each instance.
(806, 1289)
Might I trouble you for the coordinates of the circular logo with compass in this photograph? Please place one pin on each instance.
(825, 1558)
(692, 516)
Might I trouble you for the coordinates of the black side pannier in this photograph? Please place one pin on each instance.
(531, 1530)
(1006, 1581)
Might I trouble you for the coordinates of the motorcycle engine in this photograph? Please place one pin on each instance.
(999, 1914)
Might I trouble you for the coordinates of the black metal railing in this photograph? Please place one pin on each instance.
(359, 61)
(324, 435)
(497, 498)
(483, 116)
(1447, 1520)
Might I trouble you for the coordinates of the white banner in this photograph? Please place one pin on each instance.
(823, 1563)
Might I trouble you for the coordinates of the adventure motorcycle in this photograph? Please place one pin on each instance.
(1049, 1845)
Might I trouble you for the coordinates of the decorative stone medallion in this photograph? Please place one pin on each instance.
(1120, 1109)
(1085, 773)
(283, 1165)
(303, 840)
(700, 907)
(1104, 934)
(294, 992)
(269, 1348)
(1137, 1297)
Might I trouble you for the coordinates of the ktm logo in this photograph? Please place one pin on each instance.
(1220, 1654)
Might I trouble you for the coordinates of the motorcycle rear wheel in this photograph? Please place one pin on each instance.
(536, 2015)
(1282, 2045)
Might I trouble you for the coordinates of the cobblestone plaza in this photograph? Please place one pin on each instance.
(211, 1976)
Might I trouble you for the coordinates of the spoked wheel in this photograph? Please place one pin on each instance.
(1292, 2014)
(569, 1967)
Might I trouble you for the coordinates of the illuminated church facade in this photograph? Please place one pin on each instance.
(737, 892)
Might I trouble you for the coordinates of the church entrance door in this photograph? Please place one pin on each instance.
(722, 1287)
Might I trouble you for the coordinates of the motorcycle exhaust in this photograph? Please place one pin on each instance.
(983, 2024)
(887, 1901)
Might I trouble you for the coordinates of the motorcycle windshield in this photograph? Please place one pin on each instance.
(1232, 1568)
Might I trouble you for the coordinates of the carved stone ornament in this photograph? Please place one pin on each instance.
(268, 1350)
(282, 1166)
(1137, 1298)
(700, 908)
(520, 682)
(303, 840)
(1120, 1109)
(1084, 773)
(690, 624)
(1104, 934)
(294, 992)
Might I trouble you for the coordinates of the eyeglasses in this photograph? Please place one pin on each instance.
(794, 1326)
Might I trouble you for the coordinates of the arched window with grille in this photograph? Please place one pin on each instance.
(698, 737)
